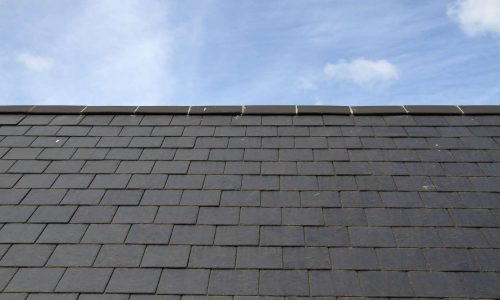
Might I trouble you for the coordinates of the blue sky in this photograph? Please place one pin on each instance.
(195, 52)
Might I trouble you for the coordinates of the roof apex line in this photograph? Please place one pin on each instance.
(256, 110)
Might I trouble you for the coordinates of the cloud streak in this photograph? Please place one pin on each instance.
(476, 17)
(363, 72)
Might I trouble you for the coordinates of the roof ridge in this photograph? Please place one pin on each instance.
(257, 109)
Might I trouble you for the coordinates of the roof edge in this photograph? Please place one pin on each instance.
(256, 110)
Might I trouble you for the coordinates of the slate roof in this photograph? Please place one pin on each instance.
(226, 203)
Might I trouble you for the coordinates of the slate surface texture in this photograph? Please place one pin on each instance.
(214, 206)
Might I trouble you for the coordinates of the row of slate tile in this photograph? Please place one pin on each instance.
(460, 169)
(213, 215)
(253, 282)
(247, 120)
(354, 236)
(251, 182)
(318, 198)
(246, 257)
(28, 133)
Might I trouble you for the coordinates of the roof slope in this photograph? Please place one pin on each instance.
(117, 206)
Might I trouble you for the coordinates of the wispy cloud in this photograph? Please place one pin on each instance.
(476, 17)
(34, 62)
(363, 72)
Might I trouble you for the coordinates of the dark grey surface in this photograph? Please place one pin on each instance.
(236, 206)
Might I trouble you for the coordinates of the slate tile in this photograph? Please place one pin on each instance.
(44, 196)
(344, 216)
(157, 154)
(62, 233)
(218, 215)
(281, 236)
(385, 284)
(242, 167)
(360, 199)
(161, 197)
(237, 235)
(149, 181)
(473, 218)
(62, 166)
(133, 280)
(88, 280)
(184, 281)
(29, 166)
(135, 167)
(6, 275)
(225, 182)
(429, 217)
(80, 153)
(233, 282)
(436, 284)
(185, 181)
(14, 214)
(146, 141)
(354, 259)
(245, 142)
(119, 256)
(226, 154)
(166, 256)
(211, 142)
(401, 259)
(35, 280)
(212, 257)
(177, 215)
(94, 214)
(259, 258)
(286, 282)
(298, 183)
(149, 234)
(202, 198)
(401, 199)
(417, 237)
(462, 237)
(262, 131)
(377, 183)
(178, 142)
(326, 236)
(20, 233)
(35, 181)
(256, 182)
(12, 196)
(372, 236)
(337, 183)
(449, 259)
(295, 154)
(132, 214)
(302, 216)
(387, 217)
(22, 153)
(100, 166)
(52, 214)
(83, 197)
(27, 256)
(73, 181)
(121, 197)
(124, 154)
(487, 259)
(110, 181)
(206, 167)
(277, 142)
(481, 284)
(260, 216)
(105, 233)
(306, 258)
(73, 255)
(136, 131)
(240, 198)
(278, 168)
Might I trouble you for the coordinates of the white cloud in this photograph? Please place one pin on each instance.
(476, 17)
(363, 72)
(34, 62)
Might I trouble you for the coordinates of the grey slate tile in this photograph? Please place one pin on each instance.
(212, 257)
(35, 280)
(372, 236)
(15, 214)
(73, 255)
(401, 259)
(233, 282)
(354, 259)
(88, 280)
(135, 214)
(133, 280)
(223, 182)
(286, 282)
(385, 284)
(119, 256)
(259, 258)
(171, 167)
(122, 197)
(260, 216)
(62, 233)
(306, 258)
(449, 259)
(184, 281)
(52, 214)
(161, 197)
(326, 236)
(149, 234)
(193, 235)
(110, 181)
(177, 214)
(166, 256)
(436, 284)
(39, 181)
(44, 196)
(20, 233)
(105, 233)
(94, 214)
(482, 284)
(185, 182)
(281, 236)
(201, 198)
(12, 196)
(237, 235)
(218, 215)
(240, 198)
(27, 255)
